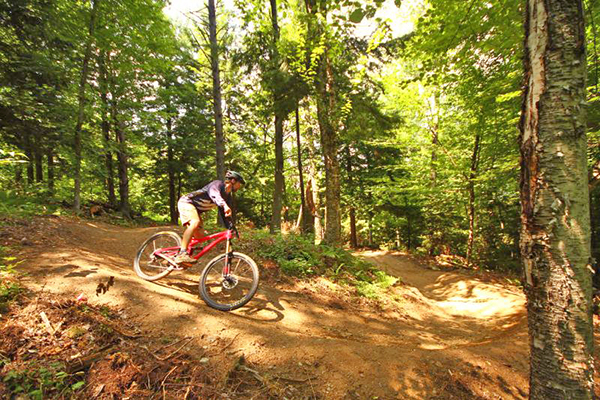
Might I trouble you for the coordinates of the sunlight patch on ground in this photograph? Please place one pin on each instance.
(374, 253)
(432, 346)
(480, 310)
(475, 299)
(454, 293)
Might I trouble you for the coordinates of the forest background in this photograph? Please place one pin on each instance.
(364, 122)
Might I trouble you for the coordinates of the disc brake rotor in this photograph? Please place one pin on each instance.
(230, 282)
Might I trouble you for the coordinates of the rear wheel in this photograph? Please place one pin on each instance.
(150, 266)
(227, 292)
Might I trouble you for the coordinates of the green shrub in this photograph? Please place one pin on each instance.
(34, 202)
(9, 291)
(42, 381)
(375, 287)
(297, 255)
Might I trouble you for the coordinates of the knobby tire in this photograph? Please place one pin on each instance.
(213, 289)
(145, 265)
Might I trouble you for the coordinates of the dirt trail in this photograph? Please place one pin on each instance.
(456, 336)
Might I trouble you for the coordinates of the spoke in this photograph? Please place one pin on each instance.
(236, 266)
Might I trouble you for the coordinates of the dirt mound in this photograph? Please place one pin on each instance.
(442, 334)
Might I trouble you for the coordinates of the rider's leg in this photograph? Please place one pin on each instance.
(199, 232)
(190, 231)
(191, 220)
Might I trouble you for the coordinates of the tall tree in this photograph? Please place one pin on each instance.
(81, 103)
(105, 126)
(122, 158)
(216, 78)
(279, 119)
(471, 191)
(555, 216)
(327, 116)
(305, 218)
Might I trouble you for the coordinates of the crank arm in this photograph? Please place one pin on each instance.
(169, 260)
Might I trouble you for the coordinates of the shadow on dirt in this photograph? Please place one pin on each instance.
(437, 345)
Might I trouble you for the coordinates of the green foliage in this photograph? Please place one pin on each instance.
(376, 285)
(33, 202)
(9, 292)
(298, 256)
(455, 81)
(405, 112)
(9, 289)
(295, 254)
(43, 381)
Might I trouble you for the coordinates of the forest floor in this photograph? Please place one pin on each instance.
(458, 335)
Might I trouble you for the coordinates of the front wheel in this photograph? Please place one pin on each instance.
(151, 259)
(228, 291)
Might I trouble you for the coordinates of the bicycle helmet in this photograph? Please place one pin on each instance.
(235, 175)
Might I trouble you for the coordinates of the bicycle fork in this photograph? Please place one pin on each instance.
(228, 256)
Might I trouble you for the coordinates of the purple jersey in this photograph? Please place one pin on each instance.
(210, 196)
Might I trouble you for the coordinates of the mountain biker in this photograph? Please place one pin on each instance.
(192, 205)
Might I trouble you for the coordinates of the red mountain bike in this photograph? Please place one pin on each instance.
(227, 282)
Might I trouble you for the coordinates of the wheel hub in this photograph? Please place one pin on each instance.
(229, 282)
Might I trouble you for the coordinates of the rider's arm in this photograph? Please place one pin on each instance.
(215, 195)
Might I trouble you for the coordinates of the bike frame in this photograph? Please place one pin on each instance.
(217, 237)
(169, 252)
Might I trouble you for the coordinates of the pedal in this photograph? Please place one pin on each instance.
(183, 266)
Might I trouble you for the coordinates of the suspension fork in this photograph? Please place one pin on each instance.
(228, 256)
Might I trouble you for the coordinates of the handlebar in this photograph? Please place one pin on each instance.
(229, 224)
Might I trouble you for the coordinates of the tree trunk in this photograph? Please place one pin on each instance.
(555, 229)
(38, 156)
(434, 137)
(434, 128)
(304, 216)
(279, 119)
(105, 111)
(179, 186)
(50, 158)
(30, 156)
(18, 174)
(124, 206)
(352, 210)
(328, 125)
(81, 105)
(595, 224)
(370, 227)
(312, 190)
(278, 191)
(353, 234)
(329, 143)
(170, 166)
(471, 191)
(217, 108)
(409, 233)
(39, 162)
(30, 172)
